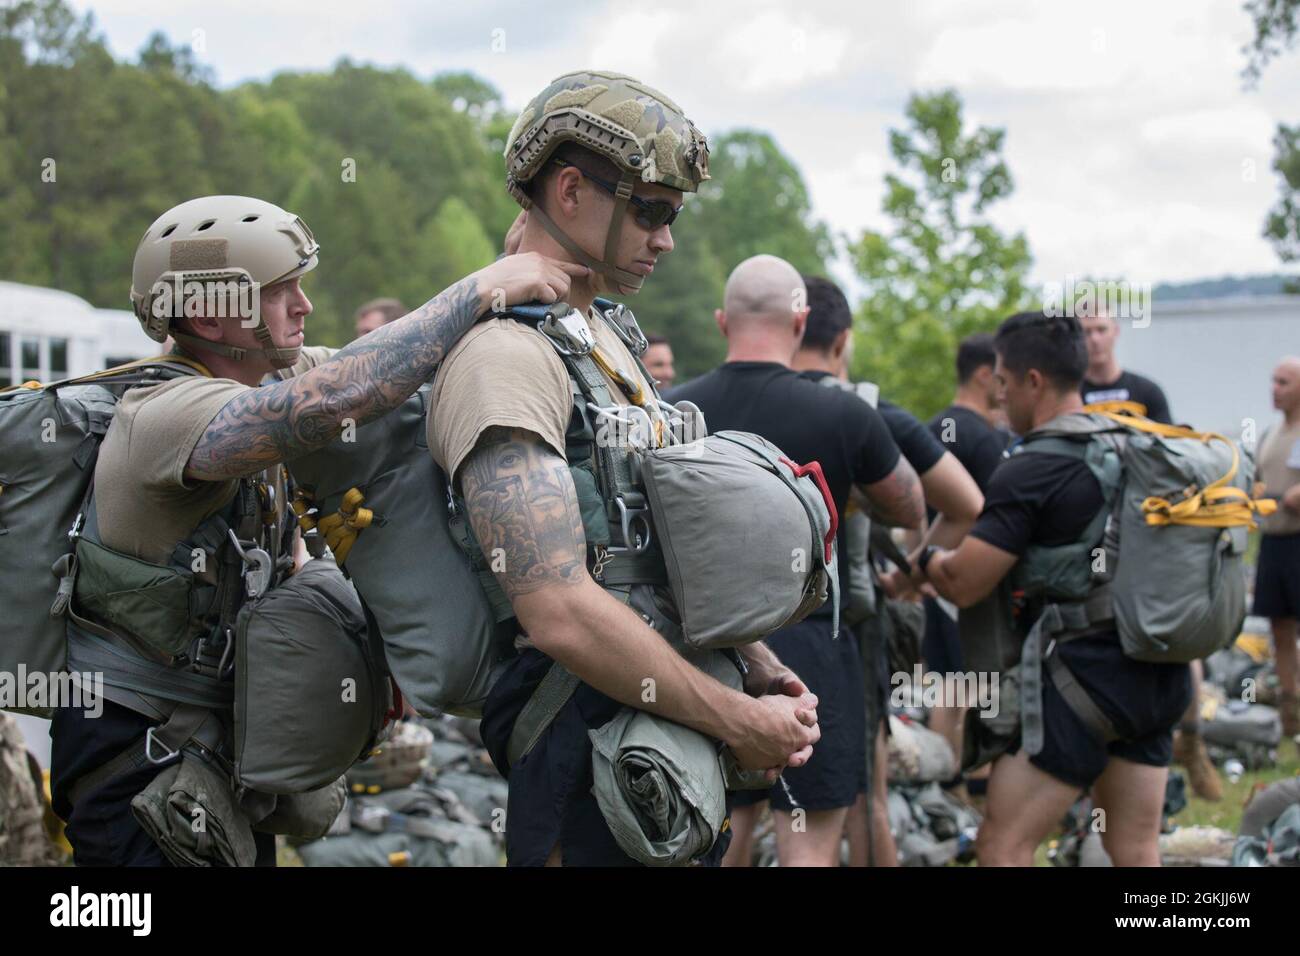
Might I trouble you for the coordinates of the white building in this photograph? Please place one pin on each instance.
(47, 335)
(1215, 357)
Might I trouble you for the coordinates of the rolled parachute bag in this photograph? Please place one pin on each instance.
(748, 536)
(183, 796)
(659, 786)
(311, 691)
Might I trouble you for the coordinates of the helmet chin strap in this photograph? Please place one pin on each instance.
(278, 357)
(605, 267)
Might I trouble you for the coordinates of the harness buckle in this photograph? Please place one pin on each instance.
(636, 542)
(150, 739)
(258, 568)
(569, 333)
(624, 323)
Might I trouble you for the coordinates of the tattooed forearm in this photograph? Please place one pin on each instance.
(523, 508)
(373, 375)
(897, 499)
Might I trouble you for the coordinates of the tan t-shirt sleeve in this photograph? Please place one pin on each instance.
(501, 373)
(168, 425)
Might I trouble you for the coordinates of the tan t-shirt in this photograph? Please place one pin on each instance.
(1278, 466)
(143, 503)
(505, 373)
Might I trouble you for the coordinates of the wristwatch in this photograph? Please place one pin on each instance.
(924, 560)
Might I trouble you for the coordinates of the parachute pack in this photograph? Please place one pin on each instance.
(49, 443)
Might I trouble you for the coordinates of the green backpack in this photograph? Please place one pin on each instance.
(49, 443)
(1162, 562)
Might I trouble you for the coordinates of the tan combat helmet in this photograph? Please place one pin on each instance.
(218, 239)
(636, 127)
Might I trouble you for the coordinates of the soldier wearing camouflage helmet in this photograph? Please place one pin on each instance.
(600, 162)
(222, 275)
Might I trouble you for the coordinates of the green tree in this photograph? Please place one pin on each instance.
(942, 270)
(1277, 23)
(755, 202)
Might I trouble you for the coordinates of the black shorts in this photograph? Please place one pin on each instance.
(832, 669)
(1144, 702)
(550, 797)
(1277, 576)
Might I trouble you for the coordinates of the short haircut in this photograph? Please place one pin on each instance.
(828, 313)
(658, 340)
(575, 155)
(1052, 344)
(974, 352)
(391, 309)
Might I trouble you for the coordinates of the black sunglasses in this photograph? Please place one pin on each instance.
(650, 213)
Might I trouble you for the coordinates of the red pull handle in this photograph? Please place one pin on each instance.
(814, 468)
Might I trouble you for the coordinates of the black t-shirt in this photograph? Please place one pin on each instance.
(972, 440)
(1038, 498)
(917, 445)
(807, 421)
(1130, 387)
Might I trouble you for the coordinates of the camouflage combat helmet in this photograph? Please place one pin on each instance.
(641, 131)
(397, 763)
(218, 240)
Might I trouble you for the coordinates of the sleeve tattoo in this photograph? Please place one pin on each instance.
(277, 423)
(523, 508)
(896, 499)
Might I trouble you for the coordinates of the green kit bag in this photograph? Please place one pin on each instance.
(311, 691)
(748, 536)
(49, 443)
(441, 635)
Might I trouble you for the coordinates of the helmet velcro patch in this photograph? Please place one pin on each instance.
(189, 255)
(666, 143)
(579, 97)
(625, 114)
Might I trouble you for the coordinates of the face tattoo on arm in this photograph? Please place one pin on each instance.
(522, 504)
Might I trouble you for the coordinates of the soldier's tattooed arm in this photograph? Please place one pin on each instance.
(373, 375)
(523, 508)
(524, 511)
(897, 499)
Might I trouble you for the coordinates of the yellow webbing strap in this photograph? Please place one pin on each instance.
(634, 392)
(341, 528)
(1216, 505)
(1132, 408)
(302, 504)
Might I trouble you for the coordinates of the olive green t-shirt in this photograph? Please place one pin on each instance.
(143, 502)
(505, 373)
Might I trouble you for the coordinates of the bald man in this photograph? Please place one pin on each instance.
(763, 317)
(1277, 574)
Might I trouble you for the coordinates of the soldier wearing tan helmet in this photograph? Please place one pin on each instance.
(222, 275)
(601, 163)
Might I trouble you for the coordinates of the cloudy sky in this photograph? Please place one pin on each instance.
(1136, 151)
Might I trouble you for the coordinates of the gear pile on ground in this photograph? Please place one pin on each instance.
(427, 797)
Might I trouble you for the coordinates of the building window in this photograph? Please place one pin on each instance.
(6, 360)
(58, 359)
(30, 349)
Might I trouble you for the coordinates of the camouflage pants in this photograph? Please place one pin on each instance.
(23, 840)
